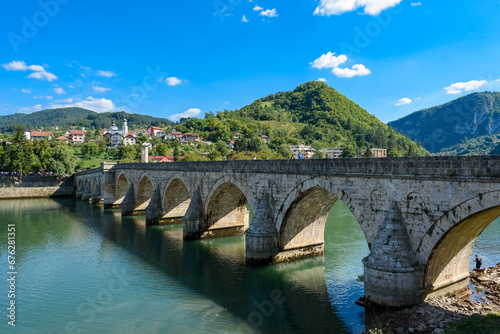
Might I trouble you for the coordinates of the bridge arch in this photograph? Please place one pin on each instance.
(175, 198)
(226, 207)
(144, 192)
(448, 243)
(302, 218)
(122, 185)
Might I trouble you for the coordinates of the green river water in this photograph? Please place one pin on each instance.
(82, 269)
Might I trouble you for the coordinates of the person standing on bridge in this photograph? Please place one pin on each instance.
(479, 262)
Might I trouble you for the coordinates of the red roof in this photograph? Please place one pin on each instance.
(177, 133)
(62, 138)
(191, 134)
(168, 157)
(155, 128)
(77, 132)
(41, 134)
(232, 142)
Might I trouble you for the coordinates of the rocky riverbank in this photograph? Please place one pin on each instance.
(433, 315)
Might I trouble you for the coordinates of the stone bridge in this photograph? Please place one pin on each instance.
(420, 216)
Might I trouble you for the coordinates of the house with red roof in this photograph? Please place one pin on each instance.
(39, 135)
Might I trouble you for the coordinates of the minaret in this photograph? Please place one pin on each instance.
(125, 128)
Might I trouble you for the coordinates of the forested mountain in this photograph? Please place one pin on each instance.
(466, 125)
(66, 117)
(313, 114)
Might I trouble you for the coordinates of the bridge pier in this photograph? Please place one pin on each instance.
(194, 220)
(393, 275)
(154, 211)
(87, 194)
(108, 188)
(128, 205)
(261, 239)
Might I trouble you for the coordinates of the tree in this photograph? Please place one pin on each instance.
(222, 148)
(394, 152)
(176, 151)
(161, 149)
(128, 153)
(20, 152)
(368, 153)
(350, 150)
(62, 156)
(90, 149)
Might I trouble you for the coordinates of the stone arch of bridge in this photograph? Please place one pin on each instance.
(144, 192)
(85, 184)
(302, 217)
(236, 183)
(226, 205)
(79, 184)
(122, 185)
(175, 198)
(95, 183)
(448, 243)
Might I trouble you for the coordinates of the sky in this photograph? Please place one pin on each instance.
(178, 59)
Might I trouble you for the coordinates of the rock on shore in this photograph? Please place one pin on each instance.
(433, 315)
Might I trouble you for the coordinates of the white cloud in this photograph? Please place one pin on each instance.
(356, 70)
(107, 74)
(269, 13)
(15, 65)
(70, 86)
(336, 7)
(39, 71)
(173, 81)
(37, 107)
(59, 90)
(43, 97)
(328, 60)
(97, 105)
(415, 4)
(403, 101)
(322, 79)
(244, 19)
(99, 89)
(188, 113)
(460, 87)
(257, 8)
(26, 91)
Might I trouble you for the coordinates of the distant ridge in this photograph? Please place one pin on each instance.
(461, 126)
(65, 117)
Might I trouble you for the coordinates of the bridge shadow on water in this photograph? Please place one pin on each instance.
(285, 298)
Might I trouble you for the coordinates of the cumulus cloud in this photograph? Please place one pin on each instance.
(173, 81)
(415, 4)
(188, 113)
(337, 7)
(107, 74)
(15, 65)
(37, 107)
(26, 91)
(328, 60)
(43, 97)
(269, 13)
(322, 80)
(99, 89)
(460, 87)
(244, 19)
(95, 104)
(258, 8)
(59, 90)
(356, 70)
(39, 71)
(403, 101)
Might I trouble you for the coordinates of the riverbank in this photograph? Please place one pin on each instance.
(435, 314)
(35, 186)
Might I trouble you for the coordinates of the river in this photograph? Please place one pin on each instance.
(82, 269)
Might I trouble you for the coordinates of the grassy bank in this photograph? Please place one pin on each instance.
(489, 324)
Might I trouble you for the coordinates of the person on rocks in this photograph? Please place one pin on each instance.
(479, 262)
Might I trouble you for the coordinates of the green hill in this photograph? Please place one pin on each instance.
(66, 117)
(313, 114)
(459, 127)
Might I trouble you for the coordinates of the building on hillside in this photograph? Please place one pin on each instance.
(62, 139)
(27, 134)
(331, 153)
(237, 135)
(174, 135)
(114, 130)
(76, 136)
(153, 130)
(265, 139)
(160, 158)
(231, 144)
(39, 135)
(115, 140)
(191, 137)
(378, 152)
(302, 151)
(129, 140)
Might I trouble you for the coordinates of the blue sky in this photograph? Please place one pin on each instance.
(186, 58)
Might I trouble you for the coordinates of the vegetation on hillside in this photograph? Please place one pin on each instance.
(313, 114)
(456, 123)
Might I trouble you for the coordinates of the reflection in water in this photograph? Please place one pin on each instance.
(99, 272)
